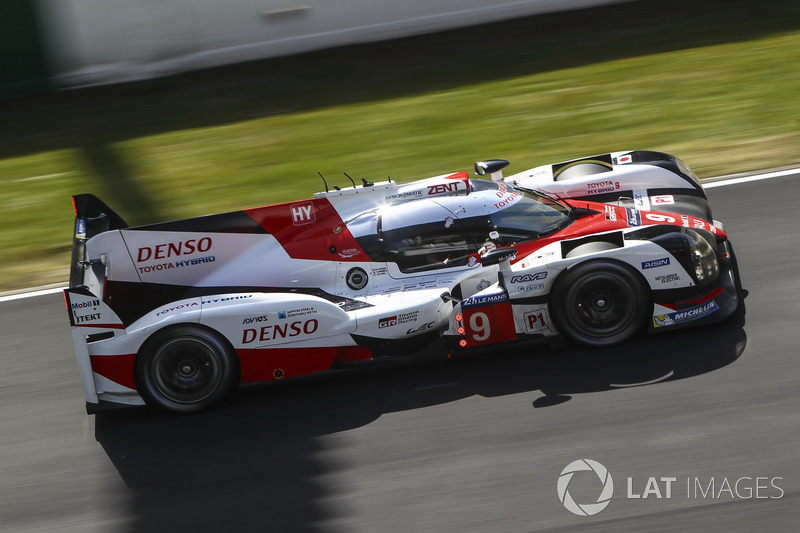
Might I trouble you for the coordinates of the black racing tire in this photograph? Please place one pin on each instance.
(185, 369)
(600, 303)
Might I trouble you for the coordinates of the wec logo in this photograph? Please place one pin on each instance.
(586, 509)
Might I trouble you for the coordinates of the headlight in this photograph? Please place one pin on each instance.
(704, 260)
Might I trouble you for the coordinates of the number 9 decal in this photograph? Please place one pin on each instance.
(656, 217)
(480, 327)
(489, 324)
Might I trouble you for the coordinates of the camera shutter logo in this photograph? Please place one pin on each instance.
(586, 509)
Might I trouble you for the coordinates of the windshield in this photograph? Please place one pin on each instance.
(530, 217)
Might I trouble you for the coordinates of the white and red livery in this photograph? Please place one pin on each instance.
(598, 249)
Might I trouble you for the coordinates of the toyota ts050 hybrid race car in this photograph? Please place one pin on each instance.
(596, 250)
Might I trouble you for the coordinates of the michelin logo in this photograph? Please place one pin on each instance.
(693, 313)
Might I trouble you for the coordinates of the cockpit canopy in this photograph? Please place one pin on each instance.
(442, 232)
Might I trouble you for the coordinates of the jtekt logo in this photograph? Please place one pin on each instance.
(586, 509)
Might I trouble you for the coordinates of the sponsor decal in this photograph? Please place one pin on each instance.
(686, 315)
(443, 188)
(663, 199)
(177, 264)
(80, 228)
(173, 249)
(387, 322)
(685, 221)
(536, 321)
(506, 197)
(350, 252)
(254, 319)
(611, 213)
(600, 187)
(448, 222)
(668, 278)
(226, 299)
(528, 288)
(396, 320)
(474, 260)
(485, 299)
(634, 217)
(85, 304)
(297, 312)
(407, 194)
(86, 318)
(529, 277)
(303, 213)
(624, 159)
(655, 263)
(280, 331)
(639, 201)
(176, 308)
(421, 328)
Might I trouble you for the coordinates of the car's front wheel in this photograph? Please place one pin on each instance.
(185, 369)
(600, 303)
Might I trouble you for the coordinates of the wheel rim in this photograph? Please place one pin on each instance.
(602, 304)
(186, 370)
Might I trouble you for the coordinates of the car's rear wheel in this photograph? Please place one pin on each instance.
(600, 303)
(186, 369)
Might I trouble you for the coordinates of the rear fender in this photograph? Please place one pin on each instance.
(266, 320)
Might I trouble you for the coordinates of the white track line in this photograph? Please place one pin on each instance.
(31, 293)
(747, 179)
(709, 184)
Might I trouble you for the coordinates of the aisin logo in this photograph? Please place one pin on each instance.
(586, 509)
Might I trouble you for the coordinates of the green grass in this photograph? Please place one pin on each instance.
(715, 83)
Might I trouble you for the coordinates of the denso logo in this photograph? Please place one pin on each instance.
(172, 249)
(280, 331)
(529, 277)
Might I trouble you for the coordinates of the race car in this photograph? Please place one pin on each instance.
(594, 250)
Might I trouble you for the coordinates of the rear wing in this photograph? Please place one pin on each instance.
(92, 217)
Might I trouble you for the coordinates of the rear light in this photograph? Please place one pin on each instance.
(460, 329)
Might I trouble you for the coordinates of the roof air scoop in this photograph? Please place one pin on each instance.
(493, 167)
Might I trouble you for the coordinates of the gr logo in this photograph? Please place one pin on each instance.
(585, 509)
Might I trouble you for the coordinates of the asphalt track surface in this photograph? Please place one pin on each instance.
(474, 444)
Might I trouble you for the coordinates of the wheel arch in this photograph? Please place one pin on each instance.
(560, 285)
(153, 337)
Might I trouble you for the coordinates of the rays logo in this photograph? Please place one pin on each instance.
(586, 509)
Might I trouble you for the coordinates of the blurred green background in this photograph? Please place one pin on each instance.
(716, 83)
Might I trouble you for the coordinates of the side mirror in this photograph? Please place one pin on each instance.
(495, 257)
(491, 166)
